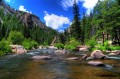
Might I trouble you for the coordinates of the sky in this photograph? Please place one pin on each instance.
(56, 14)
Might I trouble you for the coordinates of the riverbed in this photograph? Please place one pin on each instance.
(23, 67)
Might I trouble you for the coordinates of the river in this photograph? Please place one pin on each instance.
(23, 67)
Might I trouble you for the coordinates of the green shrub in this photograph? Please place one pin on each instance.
(92, 43)
(4, 47)
(107, 45)
(16, 37)
(59, 45)
(28, 44)
(115, 47)
(72, 44)
(100, 47)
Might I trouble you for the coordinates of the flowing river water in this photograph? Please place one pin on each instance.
(23, 67)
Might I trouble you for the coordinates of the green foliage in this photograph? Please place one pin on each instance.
(92, 43)
(59, 45)
(115, 47)
(16, 37)
(72, 44)
(4, 47)
(107, 46)
(28, 44)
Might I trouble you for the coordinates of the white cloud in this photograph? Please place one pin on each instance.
(67, 3)
(88, 4)
(22, 8)
(55, 21)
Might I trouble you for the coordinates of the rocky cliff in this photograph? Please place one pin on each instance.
(28, 19)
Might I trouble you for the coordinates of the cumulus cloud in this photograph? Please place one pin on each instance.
(88, 4)
(22, 8)
(55, 21)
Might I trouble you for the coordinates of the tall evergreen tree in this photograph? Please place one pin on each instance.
(76, 26)
(83, 29)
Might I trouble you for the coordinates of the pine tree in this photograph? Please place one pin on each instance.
(83, 24)
(76, 26)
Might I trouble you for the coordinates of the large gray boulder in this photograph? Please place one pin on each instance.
(18, 49)
(97, 54)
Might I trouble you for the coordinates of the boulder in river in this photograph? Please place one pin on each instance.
(42, 57)
(95, 63)
(60, 51)
(97, 54)
(18, 49)
(52, 47)
(84, 57)
(89, 58)
(112, 54)
(117, 52)
(82, 48)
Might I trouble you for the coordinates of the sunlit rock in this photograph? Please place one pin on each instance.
(82, 48)
(60, 51)
(52, 47)
(73, 58)
(18, 49)
(42, 57)
(97, 54)
(111, 54)
(95, 63)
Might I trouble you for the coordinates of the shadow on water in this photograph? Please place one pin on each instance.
(22, 67)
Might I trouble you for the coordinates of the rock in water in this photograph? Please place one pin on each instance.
(97, 54)
(84, 56)
(60, 51)
(111, 54)
(95, 63)
(73, 58)
(18, 49)
(42, 57)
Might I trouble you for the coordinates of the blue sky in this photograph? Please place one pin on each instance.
(56, 14)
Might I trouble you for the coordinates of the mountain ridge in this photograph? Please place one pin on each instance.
(27, 19)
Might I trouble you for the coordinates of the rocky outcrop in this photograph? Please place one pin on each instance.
(30, 20)
(27, 19)
(18, 49)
